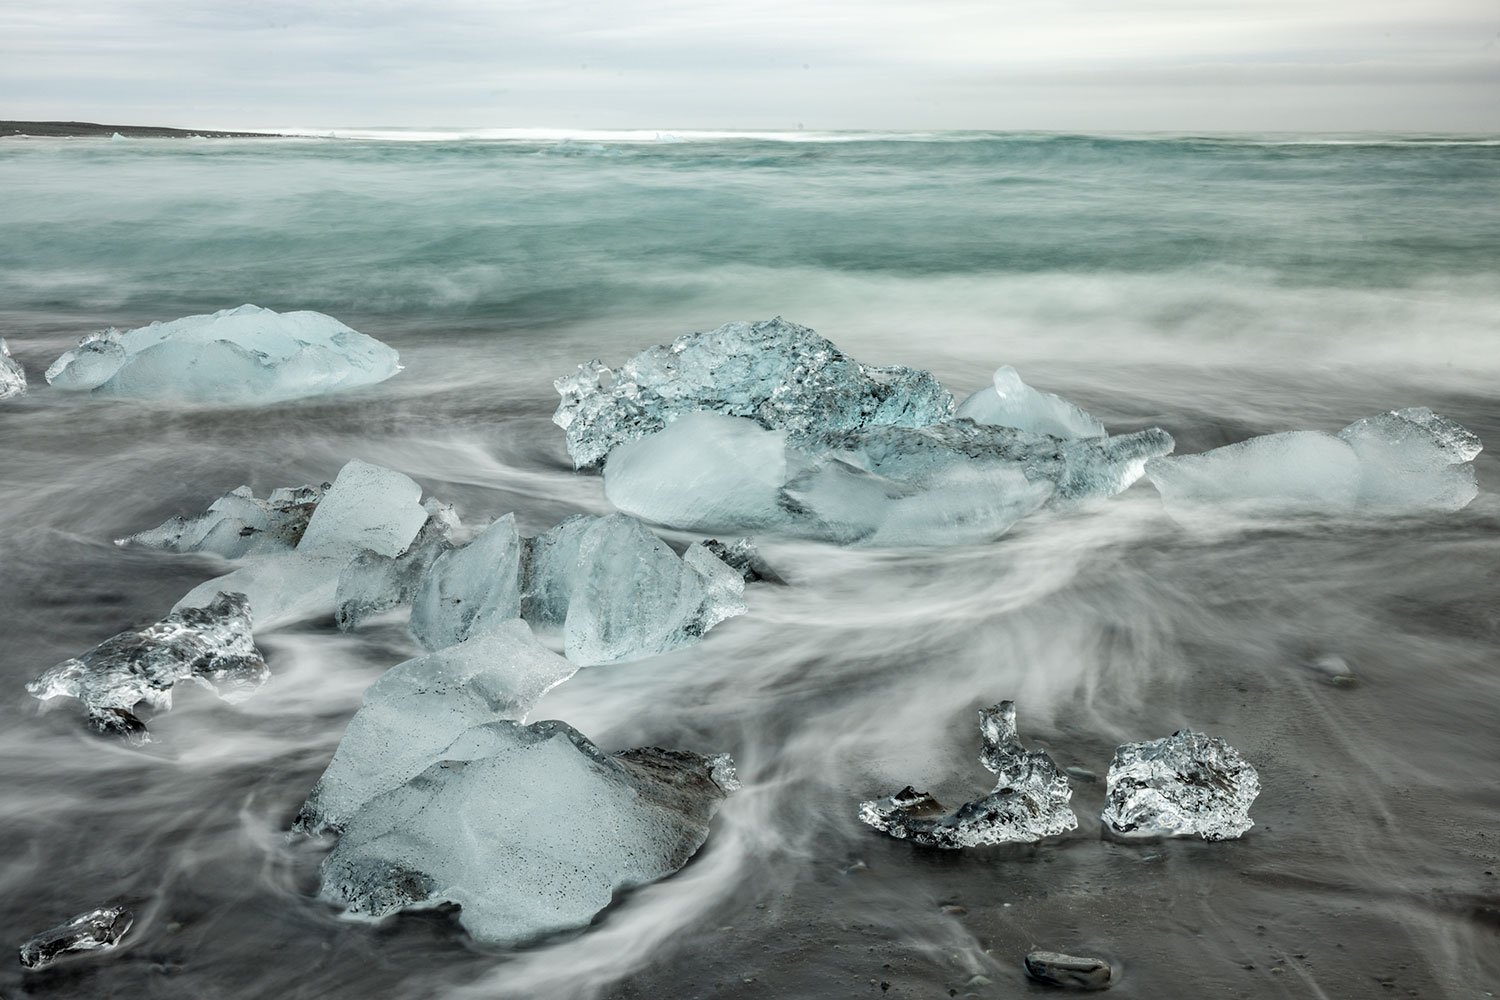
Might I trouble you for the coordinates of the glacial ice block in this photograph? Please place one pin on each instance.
(471, 588)
(1181, 785)
(418, 708)
(243, 356)
(210, 645)
(1030, 800)
(96, 930)
(782, 375)
(371, 582)
(1400, 461)
(564, 827)
(237, 524)
(1009, 402)
(12, 375)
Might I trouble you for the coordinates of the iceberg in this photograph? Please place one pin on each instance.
(565, 827)
(210, 645)
(1181, 785)
(416, 710)
(244, 356)
(12, 375)
(782, 375)
(96, 930)
(372, 582)
(471, 588)
(237, 524)
(1009, 402)
(1030, 800)
(1401, 461)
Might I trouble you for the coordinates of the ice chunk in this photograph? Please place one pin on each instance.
(1009, 402)
(471, 588)
(96, 930)
(371, 583)
(564, 827)
(1178, 786)
(744, 558)
(12, 375)
(238, 524)
(1068, 971)
(210, 645)
(238, 356)
(418, 708)
(783, 375)
(1400, 461)
(1030, 800)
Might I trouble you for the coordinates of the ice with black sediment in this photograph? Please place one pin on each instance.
(1182, 785)
(237, 524)
(373, 582)
(565, 827)
(12, 375)
(243, 356)
(470, 588)
(1400, 461)
(782, 375)
(211, 645)
(94, 931)
(1030, 800)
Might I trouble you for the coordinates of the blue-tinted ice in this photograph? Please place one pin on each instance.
(12, 375)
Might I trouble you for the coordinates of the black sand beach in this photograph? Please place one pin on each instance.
(75, 130)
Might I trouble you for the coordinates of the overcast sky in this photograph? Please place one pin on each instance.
(1427, 65)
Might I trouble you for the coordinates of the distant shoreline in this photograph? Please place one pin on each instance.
(75, 130)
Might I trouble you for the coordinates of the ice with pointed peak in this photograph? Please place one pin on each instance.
(210, 645)
(237, 524)
(243, 356)
(565, 826)
(415, 711)
(371, 582)
(1401, 461)
(1030, 800)
(470, 588)
(1009, 402)
(96, 930)
(1182, 785)
(12, 375)
(782, 375)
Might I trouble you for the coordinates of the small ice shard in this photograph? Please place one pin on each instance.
(782, 375)
(1009, 402)
(1030, 800)
(418, 708)
(209, 645)
(1400, 461)
(1334, 669)
(237, 524)
(368, 508)
(12, 375)
(371, 582)
(96, 930)
(243, 356)
(744, 558)
(1179, 786)
(529, 829)
(471, 588)
(1069, 971)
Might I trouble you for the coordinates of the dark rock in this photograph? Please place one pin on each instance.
(1068, 971)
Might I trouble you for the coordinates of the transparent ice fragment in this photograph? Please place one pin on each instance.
(565, 826)
(247, 355)
(744, 558)
(1179, 786)
(1030, 800)
(96, 930)
(1414, 459)
(238, 524)
(1009, 402)
(12, 375)
(211, 645)
(782, 375)
(470, 588)
(371, 583)
(415, 711)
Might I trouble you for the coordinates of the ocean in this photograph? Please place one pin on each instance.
(1219, 287)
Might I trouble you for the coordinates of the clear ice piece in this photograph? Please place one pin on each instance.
(96, 930)
(1009, 402)
(1181, 785)
(1030, 800)
(470, 588)
(371, 583)
(243, 356)
(1414, 459)
(12, 375)
(237, 524)
(418, 708)
(210, 645)
(565, 826)
(782, 375)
